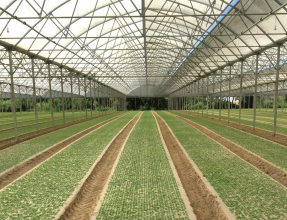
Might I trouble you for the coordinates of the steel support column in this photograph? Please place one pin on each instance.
(20, 99)
(34, 96)
(94, 96)
(85, 101)
(202, 98)
(240, 94)
(2, 100)
(13, 104)
(207, 96)
(255, 93)
(99, 98)
(91, 98)
(213, 101)
(198, 97)
(62, 93)
(283, 98)
(275, 103)
(229, 98)
(50, 95)
(220, 94)
(79, 99)
(72, 97)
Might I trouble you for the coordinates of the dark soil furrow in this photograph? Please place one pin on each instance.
(268, 168)
(203, 202)
(83, 204)
(17, 171)
(24, 137)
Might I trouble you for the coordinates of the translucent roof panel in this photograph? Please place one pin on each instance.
(141, 47)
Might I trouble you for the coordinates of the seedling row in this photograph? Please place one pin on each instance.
(143, 185)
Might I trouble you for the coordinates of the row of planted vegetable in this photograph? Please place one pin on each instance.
(26, 121)
(264, 120)
(143, 186)
(41, 193)
(248, 192)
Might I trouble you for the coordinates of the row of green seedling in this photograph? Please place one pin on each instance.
(249, 193)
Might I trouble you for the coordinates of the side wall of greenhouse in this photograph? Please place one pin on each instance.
(256, 83)
(35, 86)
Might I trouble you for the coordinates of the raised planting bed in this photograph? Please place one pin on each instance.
(248, 193)
(26, 123)
(20, 152)
(42, 192)
(262, 124)
(143, 186)
(270, 151)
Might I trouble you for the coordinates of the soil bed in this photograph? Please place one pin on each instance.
(268, 168)
(204, 204)
(268, 135)
(17, 171)
(24, 137)
(82, 206)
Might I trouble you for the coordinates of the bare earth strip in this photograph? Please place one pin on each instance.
(14, 173)
(82, 203)
(184, 197)
(202, 197)
(268, 168)
(24, 137)
(268, 135)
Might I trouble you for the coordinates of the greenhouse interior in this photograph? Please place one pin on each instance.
(143, 109)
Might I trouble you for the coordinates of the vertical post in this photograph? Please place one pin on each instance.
(213, 101)
(255, 92)
(275, 103)
(94, 95)
(99, 98)
(106, 99)
(62, 92)
(20, 100)
(79, 99)
(202, 97)
(229, 88)
(266, 97)
(220, 94)
(207, 95)
(198, 97)
(2, 100)
(13, 104)
(85, 102)
(240, 93)
(34, 96)
(27, 103)
(91, 98)
(41, 104)
(50, 94)
(72, 96)
(283, 98)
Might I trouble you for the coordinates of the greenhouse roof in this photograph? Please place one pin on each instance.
(139, 47)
